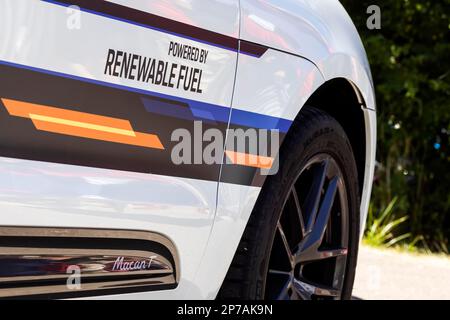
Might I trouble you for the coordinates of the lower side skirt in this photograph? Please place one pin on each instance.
(69, 262)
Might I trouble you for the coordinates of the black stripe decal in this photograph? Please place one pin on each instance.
(149, 20)
(19, 138)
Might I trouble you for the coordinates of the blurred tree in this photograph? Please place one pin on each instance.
(410, 62)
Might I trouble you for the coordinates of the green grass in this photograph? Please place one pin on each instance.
(382, 228)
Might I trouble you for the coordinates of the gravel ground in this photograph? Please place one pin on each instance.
(390, 275)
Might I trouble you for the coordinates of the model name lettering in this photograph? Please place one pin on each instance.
(121, 264)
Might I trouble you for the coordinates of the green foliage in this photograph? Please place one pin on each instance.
(410, 62)
(381, 227)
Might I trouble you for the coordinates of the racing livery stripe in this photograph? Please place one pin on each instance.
(48, 117)
(81, 124)
(155, 22)
(200, 110)
(249, 160)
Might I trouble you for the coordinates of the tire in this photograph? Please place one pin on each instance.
(315, 144)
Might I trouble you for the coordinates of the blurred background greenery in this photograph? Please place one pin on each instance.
(410, 62)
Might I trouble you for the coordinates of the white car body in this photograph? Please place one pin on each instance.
(308, 43)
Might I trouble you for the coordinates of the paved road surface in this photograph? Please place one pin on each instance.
(389, 274)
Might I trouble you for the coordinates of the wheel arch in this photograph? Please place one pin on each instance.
(341, 99)
(344, 101)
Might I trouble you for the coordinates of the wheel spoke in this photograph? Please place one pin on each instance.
(308, 249)
(323, 254)
(339, 271)
(280, 273)
(314, 195)
(285, 242)
(284, 293)
(299, 210)
(307, 290)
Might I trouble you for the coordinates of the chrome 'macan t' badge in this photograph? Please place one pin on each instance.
(133, 264)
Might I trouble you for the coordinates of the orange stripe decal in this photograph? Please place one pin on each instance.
(249, 160)
(24, 109)
(81, 124)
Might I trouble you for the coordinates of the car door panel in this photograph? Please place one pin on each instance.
(85, 142)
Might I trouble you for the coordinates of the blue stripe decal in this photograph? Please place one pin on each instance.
(198, 109)
(167, 109)
(257, 120)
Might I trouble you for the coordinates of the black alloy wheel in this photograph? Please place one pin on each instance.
(309, 253)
